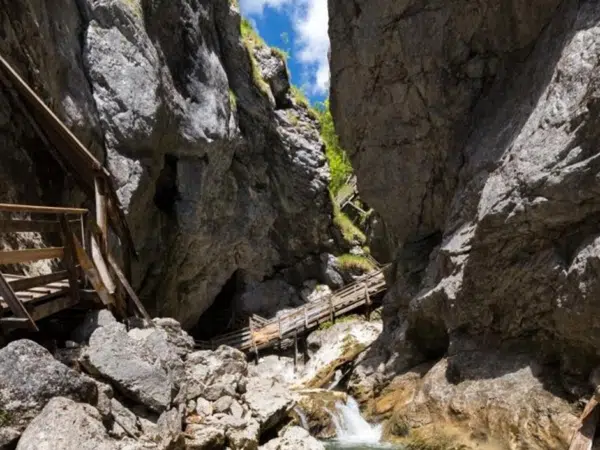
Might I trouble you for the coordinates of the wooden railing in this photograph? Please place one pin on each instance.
(262, 333)
(32, 298)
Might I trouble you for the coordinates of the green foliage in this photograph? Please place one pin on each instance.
(4, 418)
(350, 232)
(234, 3)
(355, 262)
(232, 100)
(299, 96)
(339, 163)
(280, 53)
(252, 40)
(136, 7)
(344, 319)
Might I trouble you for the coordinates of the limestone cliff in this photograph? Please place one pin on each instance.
(472, 129)
(221, 172)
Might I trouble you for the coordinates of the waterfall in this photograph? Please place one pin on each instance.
(351, 427)
(302, 416)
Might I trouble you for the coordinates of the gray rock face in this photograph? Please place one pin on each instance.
(488, 176)
(268, 297)
(129, 366)
(65, 424)
(30, 377)
(216, 180)
(92, 321)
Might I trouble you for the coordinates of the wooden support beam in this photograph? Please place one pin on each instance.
(70, 258)
(295, 349)
(25, 284)
(61, 300)
(9, 323)
(331, 314)
(367, 302)
(92, 273)
(101, 212)
(123, 279)
(9, 207)
(102, 267)
(28, 255)
(255, 348)
(14, 303)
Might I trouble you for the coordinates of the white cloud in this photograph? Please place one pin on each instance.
(311, 25)
(310, 21)
(250, 7)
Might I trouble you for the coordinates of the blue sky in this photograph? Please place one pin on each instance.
(300, 28)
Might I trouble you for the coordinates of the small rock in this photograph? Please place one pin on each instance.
(236, 410)
(223, 404)
(191, 406)
(204, 408)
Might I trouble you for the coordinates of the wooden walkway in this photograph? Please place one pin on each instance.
(262, 333)
(86, 263)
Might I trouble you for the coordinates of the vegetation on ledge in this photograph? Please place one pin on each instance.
(355, 263)
(350, 232)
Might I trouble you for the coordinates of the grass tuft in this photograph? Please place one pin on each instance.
(355, 262)
(232, 100)
(350, 232)
(252, 40)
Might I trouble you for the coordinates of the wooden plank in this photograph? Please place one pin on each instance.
(101, 213)
(9, 207)
(28, 255)
(10, 323)
(27, 226)
(123, 279)
(62, 301)
(583, 437)
(70, 257)
(24, 284)
(92, 274)
(14, 303)
(101, 267)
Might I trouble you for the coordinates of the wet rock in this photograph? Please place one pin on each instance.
(30, 377)
(92, 321)
(501, 396)
(129, 366)
(268, 400)
(315, 404)
(294, 438)
(335, 346)
(65, 424)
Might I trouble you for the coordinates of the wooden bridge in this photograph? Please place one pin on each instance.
(89, 269)
(262, 333)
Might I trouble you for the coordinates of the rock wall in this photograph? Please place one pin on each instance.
(471, 127)
(216, 176)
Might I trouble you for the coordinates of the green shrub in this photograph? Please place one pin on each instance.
(350, 232)
(355, 262)
(280, 53)
(232, 100)
(299, 96)
(339, 163)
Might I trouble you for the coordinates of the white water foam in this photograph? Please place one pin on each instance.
(351, 427)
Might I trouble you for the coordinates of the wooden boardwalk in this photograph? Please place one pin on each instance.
(262, 333)
(85, 262)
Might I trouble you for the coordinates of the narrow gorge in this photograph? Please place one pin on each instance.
(454, 153)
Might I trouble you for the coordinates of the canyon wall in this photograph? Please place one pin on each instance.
(221, 172)
(471, 126)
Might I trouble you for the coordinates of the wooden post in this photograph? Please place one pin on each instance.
(101, 211)
(70, 257)
(367, 302)
(305, 343)
(295, 349)
(331, 314)
(255, 348)
(279, 342)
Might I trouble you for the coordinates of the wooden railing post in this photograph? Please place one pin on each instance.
(70, 257)
(254, 347)
(101, 211)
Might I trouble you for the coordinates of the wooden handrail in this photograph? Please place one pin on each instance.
(30, 254)
(8, 207)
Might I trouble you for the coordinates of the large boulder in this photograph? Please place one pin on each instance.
(294, 438)
(92, 321)
(113, 355)
(30, 377)
(269, 400)
(64, 424)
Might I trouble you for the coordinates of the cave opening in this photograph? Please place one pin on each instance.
(166, 192)
(220, 317)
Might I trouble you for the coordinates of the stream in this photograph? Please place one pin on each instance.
(353, 431)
